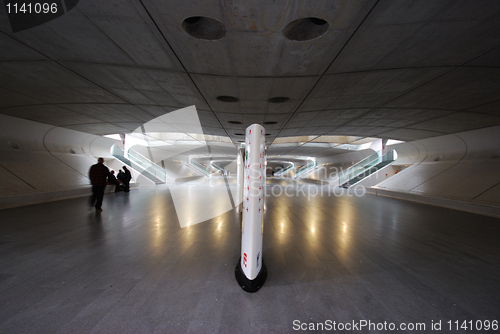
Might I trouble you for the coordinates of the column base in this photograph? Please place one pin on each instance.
(247, 284)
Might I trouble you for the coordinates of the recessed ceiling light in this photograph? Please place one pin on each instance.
(278, 99)
(227, 98)
(306, 29)
(204, 28)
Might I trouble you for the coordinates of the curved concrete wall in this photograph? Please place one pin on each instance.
(39, 158)
(64, 141)
(462, 166)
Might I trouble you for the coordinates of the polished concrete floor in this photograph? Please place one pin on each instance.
(133, 269)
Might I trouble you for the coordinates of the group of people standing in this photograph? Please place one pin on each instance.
(120, 181)
(100, 176)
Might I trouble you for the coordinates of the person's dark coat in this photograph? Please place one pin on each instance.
(98, 175)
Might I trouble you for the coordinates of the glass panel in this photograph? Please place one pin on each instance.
(364, 168)
(141, 164)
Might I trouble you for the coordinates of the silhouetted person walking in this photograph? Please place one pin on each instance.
(98, 175)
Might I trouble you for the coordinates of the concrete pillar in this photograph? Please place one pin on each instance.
(251, 272)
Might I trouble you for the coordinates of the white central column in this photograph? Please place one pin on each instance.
(251, 271)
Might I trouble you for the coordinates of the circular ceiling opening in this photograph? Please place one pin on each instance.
(306, 29)
(204, 28)
(227, 98)
(270, 122)
(234, 122)
(279, 99)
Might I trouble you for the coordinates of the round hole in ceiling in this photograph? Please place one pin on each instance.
(204, 28)
(306, 29)
(227, 98)
(270, 122)
(278, 99)
(234, 122)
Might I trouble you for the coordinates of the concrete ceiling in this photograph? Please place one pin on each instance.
(397, 69)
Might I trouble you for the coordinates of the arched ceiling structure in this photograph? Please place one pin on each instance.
(403, 70)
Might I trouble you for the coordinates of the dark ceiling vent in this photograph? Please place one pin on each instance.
(234, 122)
(306, 29)
(270, 122)
(227, 98)
(239, 134)
(204, 28)
(278, 99)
